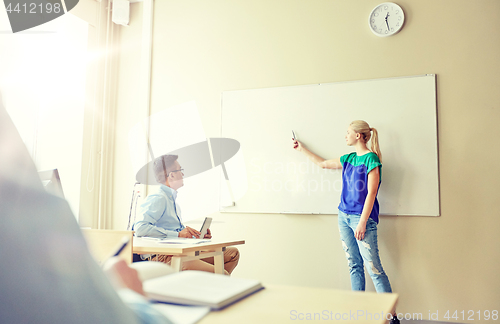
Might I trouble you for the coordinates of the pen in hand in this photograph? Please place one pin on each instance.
(123, 244)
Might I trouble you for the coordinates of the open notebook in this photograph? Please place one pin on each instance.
(190, 287)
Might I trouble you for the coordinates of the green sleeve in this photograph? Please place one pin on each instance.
(343, 158)
(372, 162)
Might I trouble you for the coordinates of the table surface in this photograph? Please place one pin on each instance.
(148, 246)
(289, 304)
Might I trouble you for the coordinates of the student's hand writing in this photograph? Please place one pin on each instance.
(209, 234)
(121, 275)
(189, 232)
(359, 234)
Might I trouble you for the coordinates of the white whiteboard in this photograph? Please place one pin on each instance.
(281, 180)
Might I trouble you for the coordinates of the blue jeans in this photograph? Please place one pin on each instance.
(365, 250)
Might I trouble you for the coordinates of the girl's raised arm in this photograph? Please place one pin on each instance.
(318, 160)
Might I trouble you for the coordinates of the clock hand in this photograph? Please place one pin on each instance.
(386, 22)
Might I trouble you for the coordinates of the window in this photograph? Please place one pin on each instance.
(42, 80)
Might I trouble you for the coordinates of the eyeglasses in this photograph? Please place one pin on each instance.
(180, 170)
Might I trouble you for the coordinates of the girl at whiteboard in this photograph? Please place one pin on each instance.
(359, 208)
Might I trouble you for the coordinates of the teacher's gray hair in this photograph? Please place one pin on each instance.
(162, 166)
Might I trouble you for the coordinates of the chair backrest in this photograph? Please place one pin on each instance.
(103, 243)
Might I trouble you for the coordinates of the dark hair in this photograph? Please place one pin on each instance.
(162, 166)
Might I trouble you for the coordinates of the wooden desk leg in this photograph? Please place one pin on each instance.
(219, 261)
(176, 263)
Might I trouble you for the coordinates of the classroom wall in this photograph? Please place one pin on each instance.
(202, 48)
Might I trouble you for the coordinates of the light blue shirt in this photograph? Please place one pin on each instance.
(161, 216)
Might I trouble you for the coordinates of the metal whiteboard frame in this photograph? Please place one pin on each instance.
(254, 117)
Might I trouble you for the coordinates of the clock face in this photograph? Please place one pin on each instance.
(386, 19)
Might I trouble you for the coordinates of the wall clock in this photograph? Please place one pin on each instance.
(386, 19)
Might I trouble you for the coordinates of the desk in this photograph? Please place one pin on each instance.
(288, 304)
(186, 252)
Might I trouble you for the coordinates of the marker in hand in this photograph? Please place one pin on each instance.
(294, 138)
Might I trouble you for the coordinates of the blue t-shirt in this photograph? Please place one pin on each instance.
(355, 171)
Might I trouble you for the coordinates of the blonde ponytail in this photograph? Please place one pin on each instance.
(362, 127)
(375, 145)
